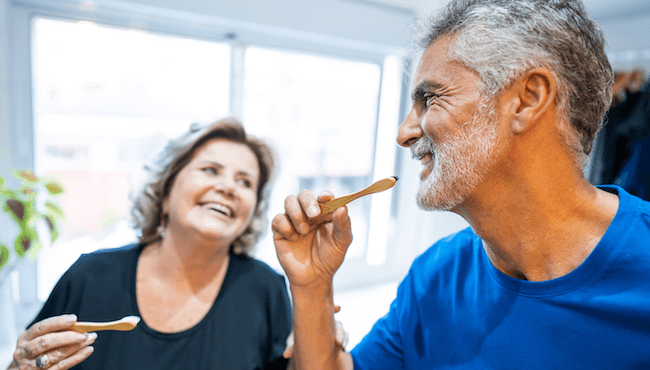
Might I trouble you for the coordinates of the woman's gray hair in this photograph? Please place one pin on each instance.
(147, 212)
(503, 39)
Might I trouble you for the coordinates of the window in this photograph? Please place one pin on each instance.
(106, 98)
(105, 101)
(321, 115)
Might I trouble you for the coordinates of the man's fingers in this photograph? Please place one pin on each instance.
(325, 196)
(309, 204)
(342, 227)
(282, 228)
(293, 209)
(49, 325)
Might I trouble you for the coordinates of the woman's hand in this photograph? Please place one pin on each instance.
(52, 344)
(342, 337)
(310, 246)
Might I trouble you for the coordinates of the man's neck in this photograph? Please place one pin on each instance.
(539, 229)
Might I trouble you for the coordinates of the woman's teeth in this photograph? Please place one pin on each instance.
(219, 208)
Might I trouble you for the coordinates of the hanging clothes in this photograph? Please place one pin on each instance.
(622, 149)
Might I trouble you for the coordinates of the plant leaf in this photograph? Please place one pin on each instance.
(4, 255)
(54, 187)
(26, 175)
(54, 234)
(25, 240)
(17, 208)
(56, 211)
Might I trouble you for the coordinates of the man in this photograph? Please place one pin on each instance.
(553, 273)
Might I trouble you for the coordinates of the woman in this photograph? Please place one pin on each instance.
(203, 301)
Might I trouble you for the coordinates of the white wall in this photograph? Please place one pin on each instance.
(628, 41)
(5, 129)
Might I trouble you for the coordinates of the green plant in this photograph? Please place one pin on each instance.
(33, 202)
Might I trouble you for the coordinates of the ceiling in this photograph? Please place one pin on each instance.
(600, 10)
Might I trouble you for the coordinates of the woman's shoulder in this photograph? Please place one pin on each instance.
(110, 258)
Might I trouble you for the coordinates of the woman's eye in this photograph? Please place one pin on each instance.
(210, 170)
(246, 183)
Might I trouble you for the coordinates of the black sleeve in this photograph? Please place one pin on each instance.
(281, 324)
(279, 364)
(60, 300)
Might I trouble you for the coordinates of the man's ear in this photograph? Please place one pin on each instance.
(531, 97)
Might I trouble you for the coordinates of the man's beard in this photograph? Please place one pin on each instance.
(461, 163)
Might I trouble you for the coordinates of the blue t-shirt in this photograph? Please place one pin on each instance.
(455, 310)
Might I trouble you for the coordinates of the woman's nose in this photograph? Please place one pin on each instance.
(225, 186)
(410, 130)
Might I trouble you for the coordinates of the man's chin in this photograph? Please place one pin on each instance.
(434, 195)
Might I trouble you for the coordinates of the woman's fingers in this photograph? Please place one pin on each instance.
(49, 325)
(73, 360)
(51, 343)
(288, 351)
(59, 354)
(342, 337)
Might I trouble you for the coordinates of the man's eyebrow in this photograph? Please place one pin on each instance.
(424, 87)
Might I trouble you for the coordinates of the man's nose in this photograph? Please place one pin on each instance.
(410, 130)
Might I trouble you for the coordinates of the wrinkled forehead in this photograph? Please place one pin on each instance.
(437, 65)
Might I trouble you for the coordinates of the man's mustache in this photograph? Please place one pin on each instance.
(422, 147)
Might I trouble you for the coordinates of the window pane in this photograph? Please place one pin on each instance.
(105, 100)
(321, 115)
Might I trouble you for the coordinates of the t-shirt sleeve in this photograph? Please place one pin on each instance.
(281, 323)
(382, 347)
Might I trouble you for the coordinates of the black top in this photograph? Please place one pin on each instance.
(246, 328)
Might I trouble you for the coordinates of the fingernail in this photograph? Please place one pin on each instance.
(313, 211)
(82, 337)
(92, 336)
(70, 319)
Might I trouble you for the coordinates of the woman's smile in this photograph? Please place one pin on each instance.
(215, 194)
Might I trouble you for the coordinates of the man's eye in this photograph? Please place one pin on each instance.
(429, 98)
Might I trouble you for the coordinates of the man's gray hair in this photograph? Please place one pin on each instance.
(503, 39)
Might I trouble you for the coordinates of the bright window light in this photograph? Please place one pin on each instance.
(321, 115)
(105, 101)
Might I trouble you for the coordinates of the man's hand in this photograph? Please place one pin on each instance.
(310, 246)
